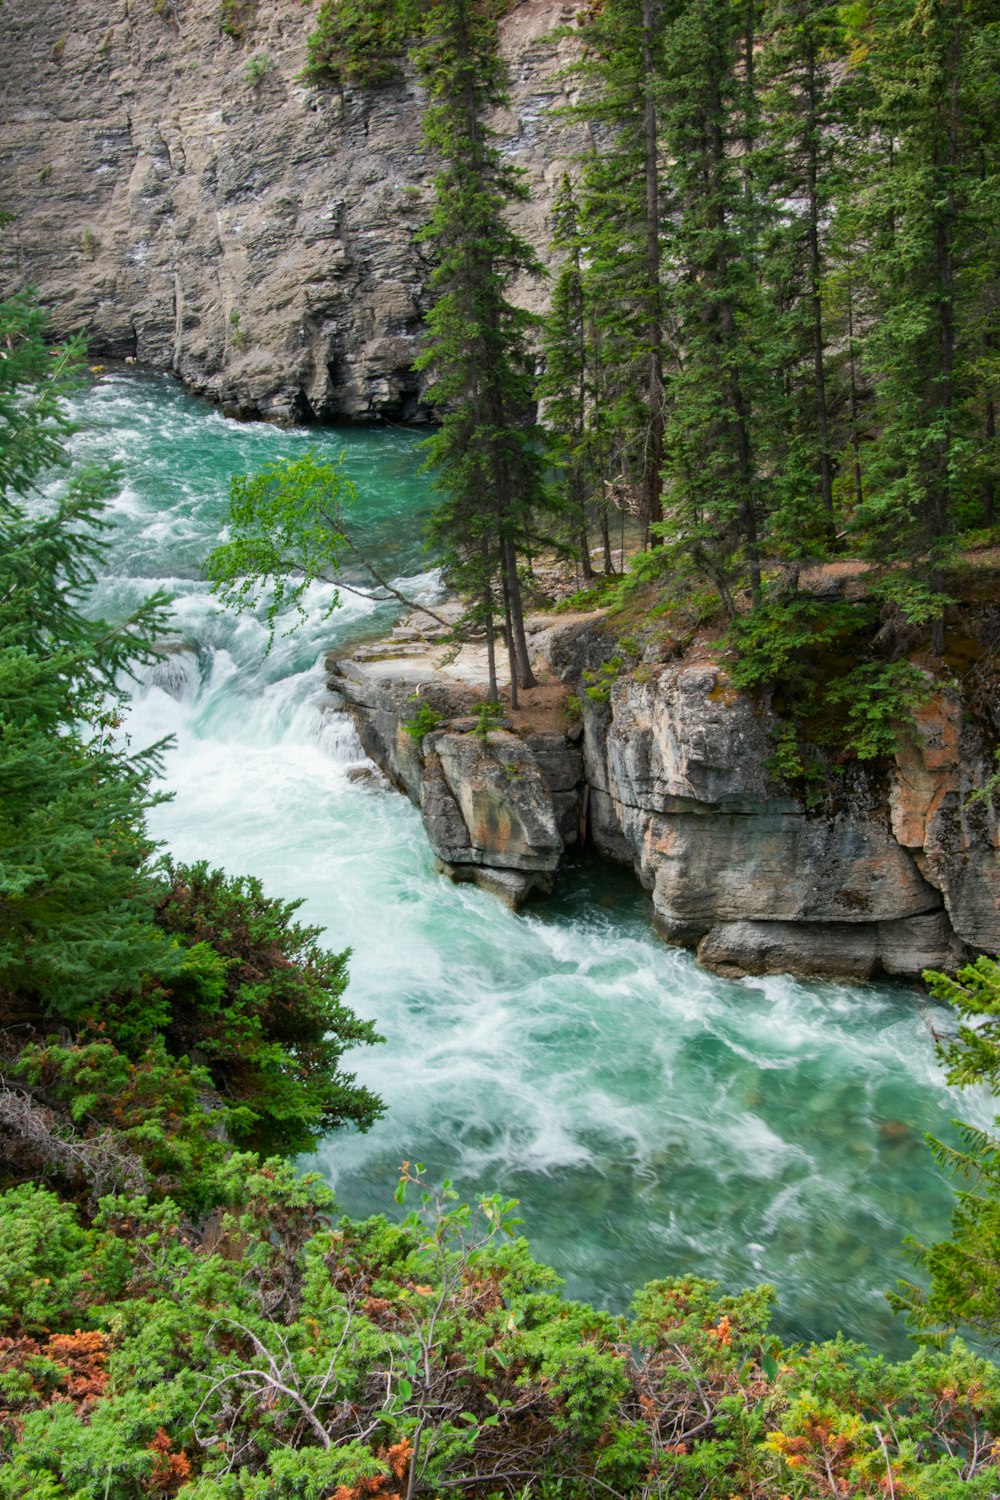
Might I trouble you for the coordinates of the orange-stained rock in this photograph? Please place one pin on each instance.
(927, 768)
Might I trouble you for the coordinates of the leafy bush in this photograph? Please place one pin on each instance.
(599, 682)
(256, 69)
(235, 16)
(259, 1000)
(360, 41)
(878, 702)
(280, 1355)
(424, 719)
(487, 716)
(777, 642)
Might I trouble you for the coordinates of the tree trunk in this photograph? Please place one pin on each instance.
(653, 505)
(815, 282)
(525, 675)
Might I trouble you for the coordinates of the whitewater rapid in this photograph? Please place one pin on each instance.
(652, 1118)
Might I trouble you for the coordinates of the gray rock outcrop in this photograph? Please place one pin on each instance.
(900, 875)
(184, 199)
(500, 809)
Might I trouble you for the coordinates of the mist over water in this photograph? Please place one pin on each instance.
(652, 1118)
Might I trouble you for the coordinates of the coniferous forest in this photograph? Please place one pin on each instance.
(772, 346)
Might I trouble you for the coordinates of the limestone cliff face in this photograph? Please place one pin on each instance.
(901, 873)
(184, 199)
(500, 810)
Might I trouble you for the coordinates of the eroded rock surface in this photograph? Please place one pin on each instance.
(899, 876)
(500, 809)
(182, 197)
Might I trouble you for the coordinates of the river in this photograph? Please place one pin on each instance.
(651, 1118)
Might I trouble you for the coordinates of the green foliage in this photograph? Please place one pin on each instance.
(361, 43)
(281, 1355)
(260, 1001)
(237, 333)
(879, 703)
(424, 719)
(790, 760)
(597, 684)
(235, 17)
(285, 534)
(144, 970)
(118, 1123)
(75, 914)
(915, 600)
(795, 647)
(487, 716)
(42, 1260)
(486, 456)
(256, 69)
(777, 641)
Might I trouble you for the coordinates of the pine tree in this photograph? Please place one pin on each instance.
(964, 1270)
(622, 228)
(715, 474)
(564, 387)
(926, 212)
(486, 455)
(804, 154)
(75, 905)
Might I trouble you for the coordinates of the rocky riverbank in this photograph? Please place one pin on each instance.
(668, 772)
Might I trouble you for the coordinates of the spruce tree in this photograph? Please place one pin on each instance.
(926, 210)
(564, 387)
(804, 154)
(714, 470)
(75, 905)
(486, 456)
(964, 1270)
(622, 227)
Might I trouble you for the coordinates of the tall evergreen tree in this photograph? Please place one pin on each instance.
(804, 151)
(622, 226)
(75, 906)
(715, 475)
(925, 210)
(487, 452)
(565, 385)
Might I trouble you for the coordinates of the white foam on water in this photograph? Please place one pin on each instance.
(653, 1118)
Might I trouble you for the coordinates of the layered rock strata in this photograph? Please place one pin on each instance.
(899, 874)
(501, 809)
(183, 198)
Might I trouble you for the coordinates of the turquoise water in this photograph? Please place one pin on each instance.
(652, 1118)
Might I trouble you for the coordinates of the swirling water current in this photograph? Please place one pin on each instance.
(652, 1118)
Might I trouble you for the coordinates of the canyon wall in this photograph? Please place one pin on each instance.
(893, 870)
(183, 198)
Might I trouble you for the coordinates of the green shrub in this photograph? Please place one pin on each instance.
(259, 1000)
(487, 716)
(599, 682)
(424, 719)
(360, 41)
(235, 17)
(256, 69)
